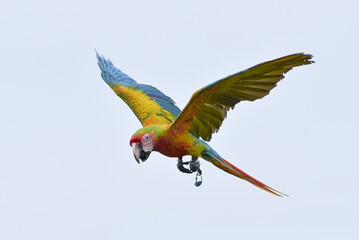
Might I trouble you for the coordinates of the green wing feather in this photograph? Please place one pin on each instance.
(208, 107)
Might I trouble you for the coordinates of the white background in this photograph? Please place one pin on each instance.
(66, 167)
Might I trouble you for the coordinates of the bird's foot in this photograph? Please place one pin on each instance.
(181, 166)
(194, 166)
(197, 182)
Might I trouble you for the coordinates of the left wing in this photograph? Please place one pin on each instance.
(149, 104)
(208, 107)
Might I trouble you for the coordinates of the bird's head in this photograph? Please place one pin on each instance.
(142, 145)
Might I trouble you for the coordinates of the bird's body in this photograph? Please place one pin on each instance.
(175, 133)
(171, 144)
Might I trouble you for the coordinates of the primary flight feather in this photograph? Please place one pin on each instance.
(177, 133)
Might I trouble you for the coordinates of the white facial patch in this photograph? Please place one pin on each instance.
(147, 142)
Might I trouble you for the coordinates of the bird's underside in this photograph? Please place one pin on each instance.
(173, 132)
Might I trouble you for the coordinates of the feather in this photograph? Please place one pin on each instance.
(149, 104)
(213, 157)
(214, 100)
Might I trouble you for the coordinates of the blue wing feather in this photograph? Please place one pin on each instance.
(112, 75)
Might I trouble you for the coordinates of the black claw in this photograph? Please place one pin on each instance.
(194, 165)
(197, 182)
(180, 166)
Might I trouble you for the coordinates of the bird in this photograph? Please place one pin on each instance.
(175, 133)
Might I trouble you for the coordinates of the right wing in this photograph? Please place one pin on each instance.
(208, 107)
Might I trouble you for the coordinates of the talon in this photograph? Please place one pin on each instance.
(180, 166)
(194, 165)
(197, 182)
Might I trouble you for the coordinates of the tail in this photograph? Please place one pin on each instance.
(219, 162)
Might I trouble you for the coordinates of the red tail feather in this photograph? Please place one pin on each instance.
(230, 168)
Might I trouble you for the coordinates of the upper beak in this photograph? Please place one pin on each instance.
(138, 152)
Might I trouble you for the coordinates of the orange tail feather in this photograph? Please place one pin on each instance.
(231, 169)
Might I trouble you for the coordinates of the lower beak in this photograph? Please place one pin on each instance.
(138, 152)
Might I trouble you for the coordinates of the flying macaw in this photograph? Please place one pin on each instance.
(175, 133)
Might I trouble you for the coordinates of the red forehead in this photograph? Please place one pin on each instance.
(135, 139)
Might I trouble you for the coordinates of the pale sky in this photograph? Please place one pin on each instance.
(66, 167)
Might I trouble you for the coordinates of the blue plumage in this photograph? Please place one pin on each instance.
(112, 75)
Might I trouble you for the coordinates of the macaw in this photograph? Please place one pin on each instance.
(175, 133)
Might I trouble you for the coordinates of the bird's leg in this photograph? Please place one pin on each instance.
(194, 166)
(180, 166)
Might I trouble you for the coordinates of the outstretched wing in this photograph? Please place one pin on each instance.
(208, 107)
(149, 104)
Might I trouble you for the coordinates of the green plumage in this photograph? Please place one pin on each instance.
(175, 134)
(208, 107)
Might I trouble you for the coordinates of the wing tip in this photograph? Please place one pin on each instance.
(98, 56)
(302, 57)
(101, 61)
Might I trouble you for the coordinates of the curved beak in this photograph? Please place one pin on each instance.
(139, 153)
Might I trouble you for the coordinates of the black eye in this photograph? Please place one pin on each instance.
(147, 137)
